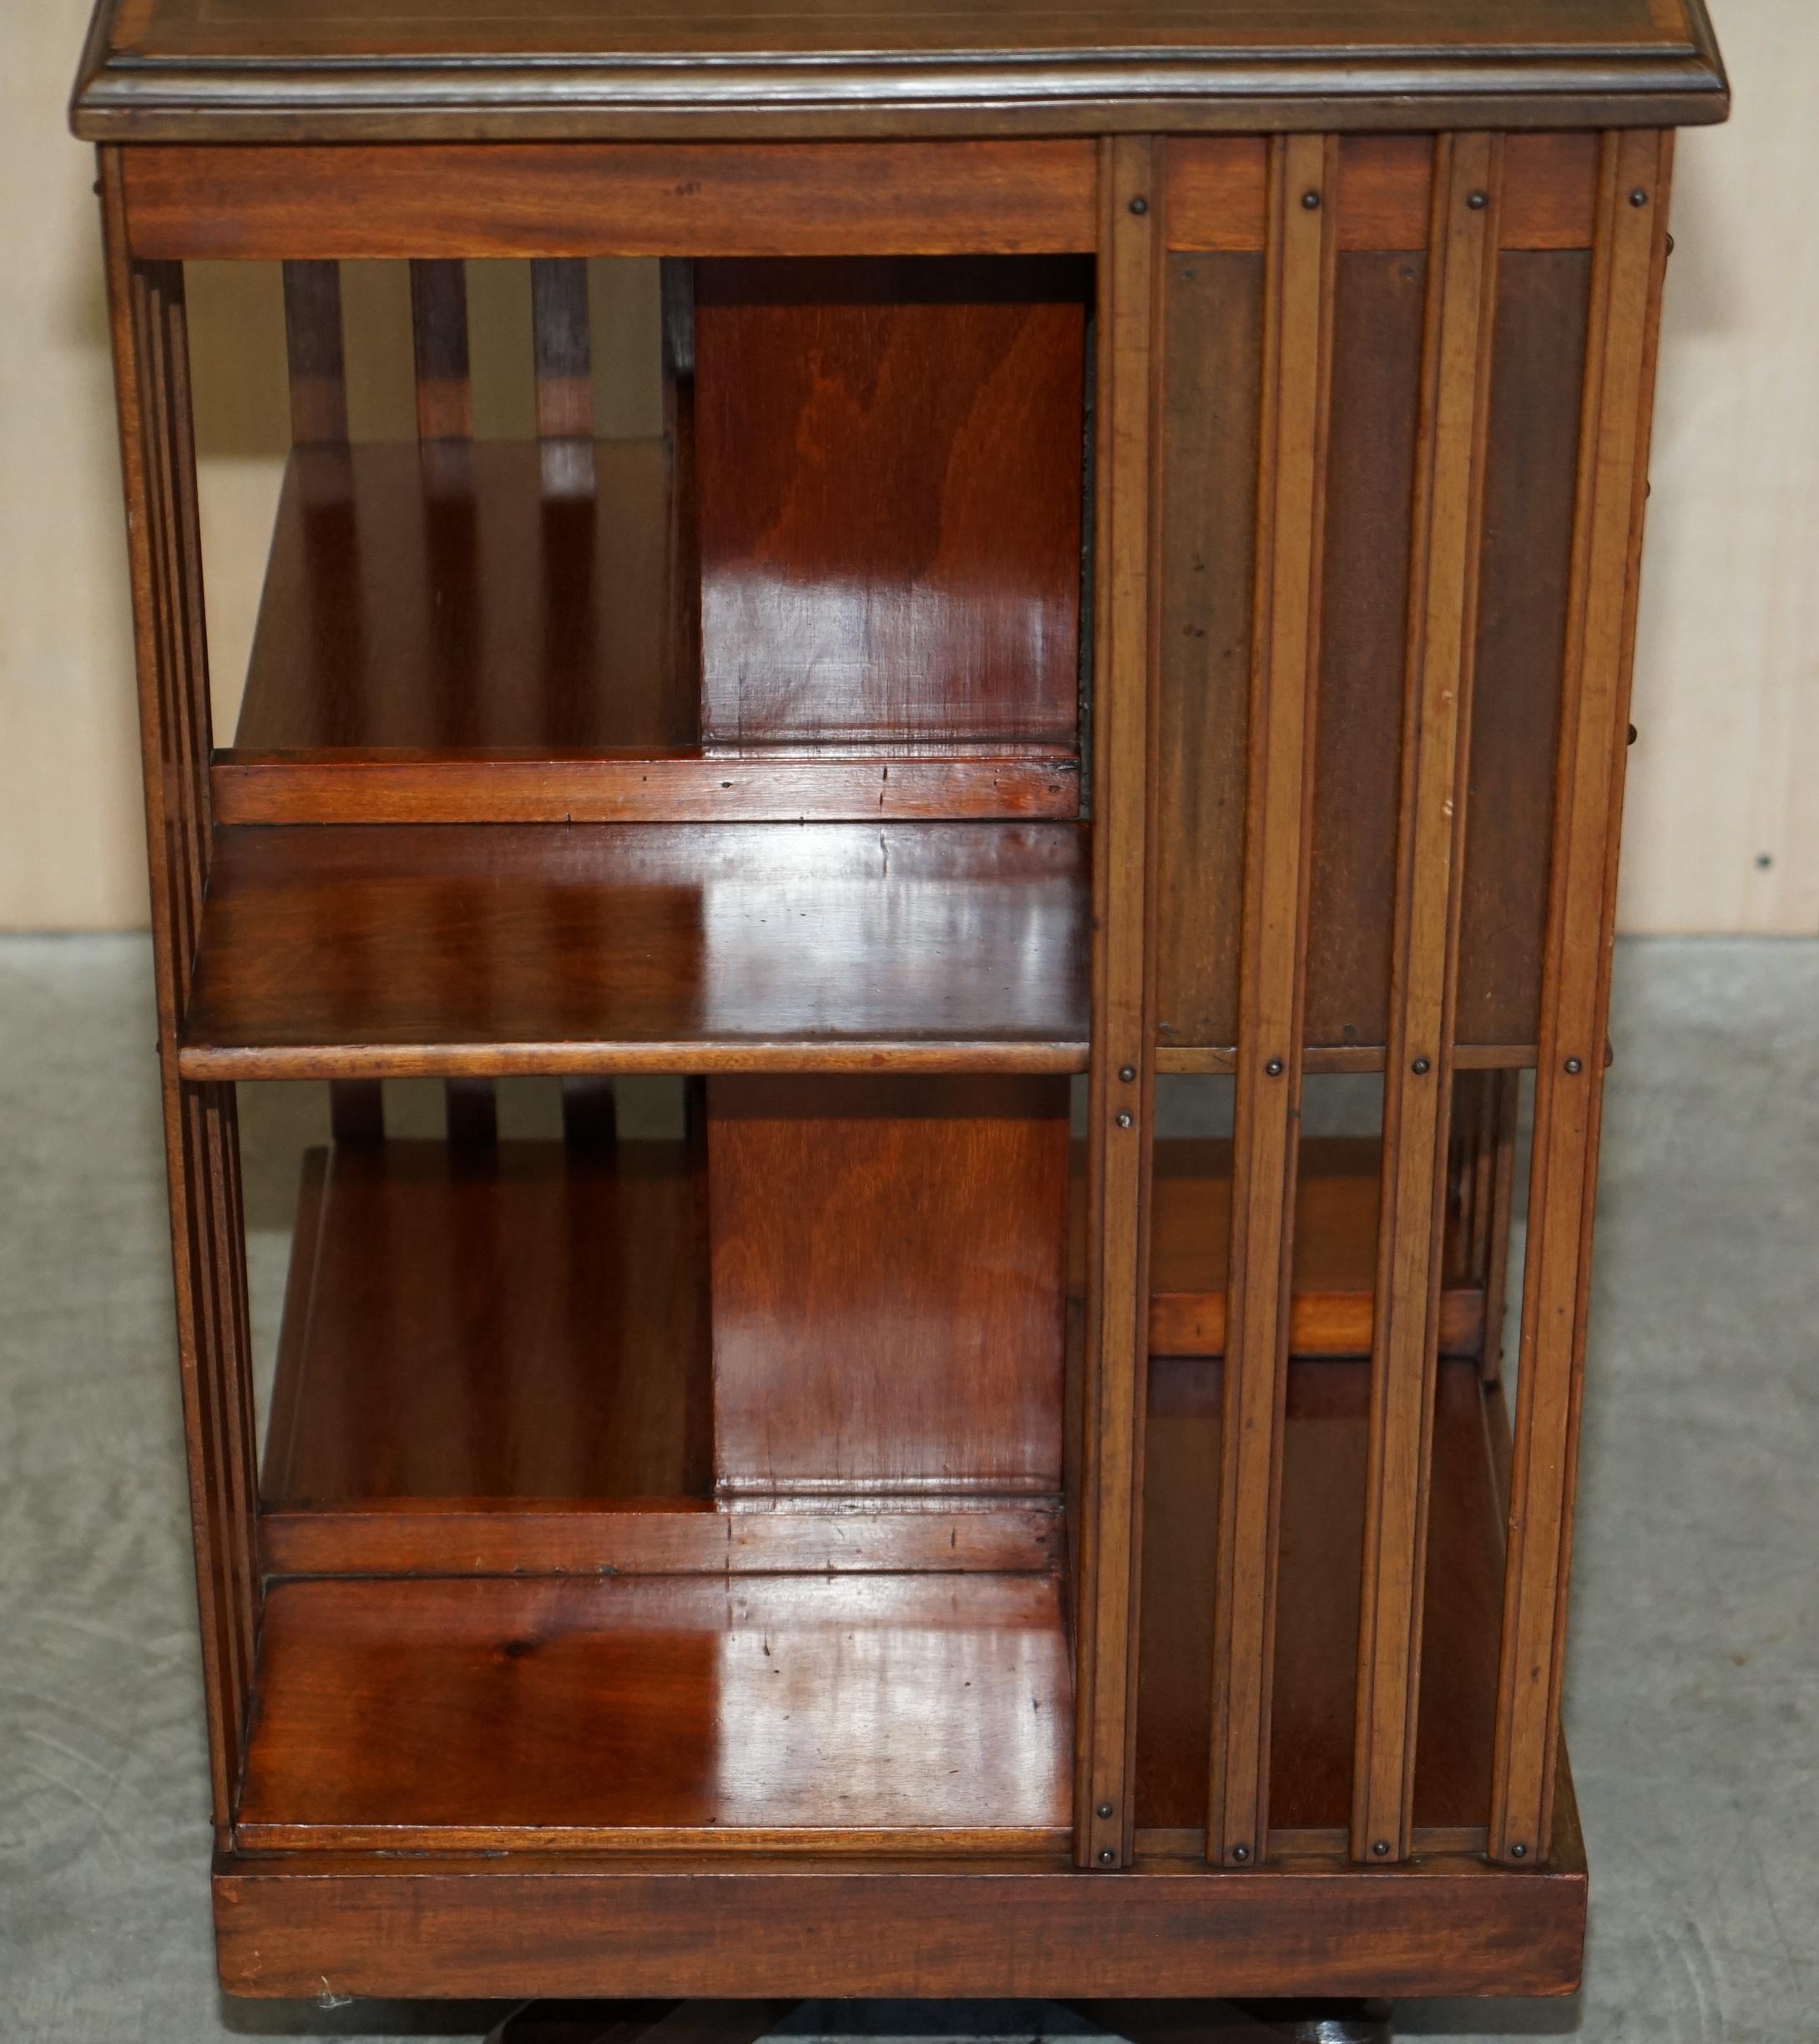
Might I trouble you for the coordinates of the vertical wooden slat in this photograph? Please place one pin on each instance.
(1121, 1081)
(439, 325)
(589, 1114)
(1424, 976)
(356, 1110)
(473, 1110)
(312, 320)
(1629, 255)
(1503, 1113)
(563, 349)
(157, 463)
(1297, 378)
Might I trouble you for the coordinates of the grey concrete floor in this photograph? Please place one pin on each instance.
(1693, 1701)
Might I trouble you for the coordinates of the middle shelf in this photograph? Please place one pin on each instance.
(369, 951)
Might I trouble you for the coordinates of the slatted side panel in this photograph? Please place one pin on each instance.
(1121, 1081)
(1297, 383)
(1417, 1168)
(1629, 255)
(158, 457)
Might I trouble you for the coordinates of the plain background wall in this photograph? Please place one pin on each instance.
(1723, 822)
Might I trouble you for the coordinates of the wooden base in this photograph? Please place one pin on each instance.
(734, 2022)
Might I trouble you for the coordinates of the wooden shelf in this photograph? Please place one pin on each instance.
(497, 1358)
(1322, 1520)
(893, 1712)
(501, 631)
(366, 951)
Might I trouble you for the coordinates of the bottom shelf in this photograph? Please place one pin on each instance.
(888, 1712)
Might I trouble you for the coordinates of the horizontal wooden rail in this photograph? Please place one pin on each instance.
(685, 788)
(313, 203)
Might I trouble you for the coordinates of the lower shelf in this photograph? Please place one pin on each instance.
(895, 1713)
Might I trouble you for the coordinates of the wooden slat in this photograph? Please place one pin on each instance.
(164, 550)
(1121, 1083)
(628, 199)
(1417, 1094)
(439, 325)
(561, 349)
(1296, 381)
(312, 320)
(1631, 253)
(645, 787)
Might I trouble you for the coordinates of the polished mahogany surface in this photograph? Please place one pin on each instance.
(468, 596)
(889, 457)
(459, 68)
(492, 1321)
(889, 1283)
(447, 1713)
(1322, 1524)
(330, 951)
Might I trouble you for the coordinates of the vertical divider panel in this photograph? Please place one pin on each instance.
(1122, 1074)
(439, 327)
(1417, 1168)
(1297, 378)
(158, 462)
(1629, 257)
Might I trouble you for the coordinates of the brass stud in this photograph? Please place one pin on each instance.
(1519, 1852)
(1420, 1068)
(1126, 1073)
(1478, 201)
(1104, 1810)
(1124, 1121)
(1107, 1858)
(1311, 201)
(1381, 1849)
(1274, 1068)
(1240, 1853)
(1639, 197)
(1574, 1067)
(1140, 207)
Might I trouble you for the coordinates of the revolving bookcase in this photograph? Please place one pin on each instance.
(1118, 631)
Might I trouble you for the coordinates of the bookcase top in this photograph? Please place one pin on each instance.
(491, 70)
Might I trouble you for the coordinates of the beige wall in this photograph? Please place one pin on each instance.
(1728, 680)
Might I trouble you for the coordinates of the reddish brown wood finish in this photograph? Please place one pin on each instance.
(888, 456)
(1120, 1090)
(387, 1925)
(1297, 357)
(785, 198)
(417, 1266)
(926, 1713)
(364, 952)
(889, 1277)
(1575, 1000)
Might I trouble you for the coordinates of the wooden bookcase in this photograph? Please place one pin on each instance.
(1134, 594)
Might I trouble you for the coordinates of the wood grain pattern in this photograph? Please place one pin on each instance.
(416, 1266)
(180, 70)
(312, 310)
(1417, 1163)
(864, 1711)
(1120, 1088)
(1576, 987)
(945, 605)
(889, 1279)
(902, 198)
(368, 952)
(1214, 340)
(443, 1926)
(1297, 379)
(1532, 460)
